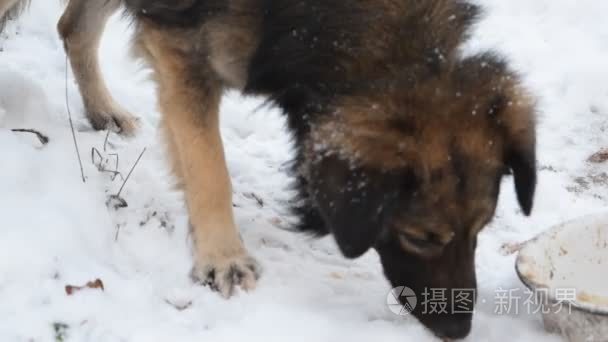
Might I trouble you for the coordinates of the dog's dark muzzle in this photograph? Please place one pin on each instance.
(445, 287)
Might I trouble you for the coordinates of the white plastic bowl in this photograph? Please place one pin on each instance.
(570, 256)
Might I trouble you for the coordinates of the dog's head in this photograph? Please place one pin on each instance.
(414, 171)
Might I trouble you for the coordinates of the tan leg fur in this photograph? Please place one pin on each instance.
(81, 28)
(191, 123)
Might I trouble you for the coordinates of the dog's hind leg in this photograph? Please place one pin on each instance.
(10, 8)
(81, 27)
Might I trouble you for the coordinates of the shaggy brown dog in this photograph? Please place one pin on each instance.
(401, 143)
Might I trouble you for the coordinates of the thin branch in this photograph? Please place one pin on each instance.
(105, 143)
(43, 138)
(116, 172)
(130, 172)
(67, 104)
(95, 151)
(117, 233)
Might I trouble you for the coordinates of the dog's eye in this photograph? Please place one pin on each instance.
(427, 244)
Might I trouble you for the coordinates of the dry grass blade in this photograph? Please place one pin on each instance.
(67, 104)
(179, 307)
(130, 172)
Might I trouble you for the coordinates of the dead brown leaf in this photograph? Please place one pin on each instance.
(97, 284)
(599, 157)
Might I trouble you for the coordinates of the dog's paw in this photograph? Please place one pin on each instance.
(225, 275)
(118, 121)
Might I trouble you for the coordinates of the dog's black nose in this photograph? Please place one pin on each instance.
(453, 329)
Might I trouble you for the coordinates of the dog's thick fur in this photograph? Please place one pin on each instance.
(401, 143)
(81, 27)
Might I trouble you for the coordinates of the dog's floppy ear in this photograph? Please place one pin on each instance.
(522, 161)
(509, 107)
(515, 114)
(350, 200)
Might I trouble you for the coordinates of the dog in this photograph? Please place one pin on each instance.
(401, 142)
(81, 27)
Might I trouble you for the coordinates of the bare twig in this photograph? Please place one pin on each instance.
(179, 307)
(116, 172)
(101, 165)
(105, 143)
(43, 138)
(130, 172)
(117, 202)
(67, 104)
(117, 233)
(95, 151)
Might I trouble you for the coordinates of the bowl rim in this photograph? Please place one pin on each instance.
(553, 230)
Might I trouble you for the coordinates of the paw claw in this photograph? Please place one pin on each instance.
(118, 122)
(226, 276)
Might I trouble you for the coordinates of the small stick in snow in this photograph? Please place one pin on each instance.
(117, 233)
(116, 201)
(130, 172)
(95, 152)
(105, 142)
(67, 104)
(43, 138)
(116, 172)
(179, 307)
(101, 165)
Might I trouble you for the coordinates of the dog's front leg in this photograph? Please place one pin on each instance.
(190, 107)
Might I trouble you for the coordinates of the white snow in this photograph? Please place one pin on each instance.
(55, 230)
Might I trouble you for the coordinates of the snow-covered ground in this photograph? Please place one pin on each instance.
(55, 230)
